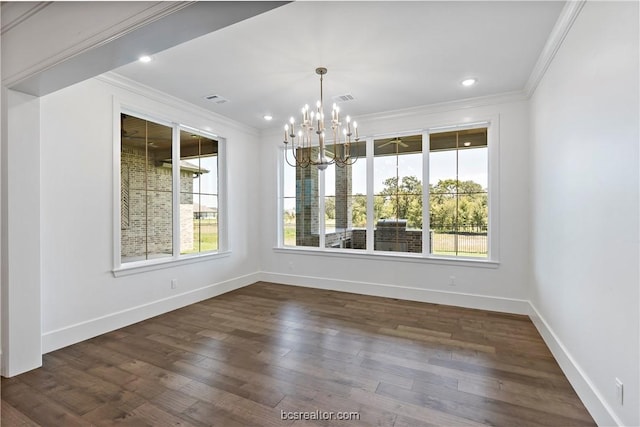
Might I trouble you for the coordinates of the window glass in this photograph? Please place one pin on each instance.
(146, 204)
(345, 213)
(301, 203)
(397, 181)
(458, 193)
(198, 193)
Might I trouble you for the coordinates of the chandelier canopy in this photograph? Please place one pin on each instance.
(300, 136)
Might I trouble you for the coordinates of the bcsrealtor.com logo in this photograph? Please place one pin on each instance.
(318, 415)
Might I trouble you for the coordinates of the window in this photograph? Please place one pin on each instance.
(345, 203)
(146, 190)
(397, 186)
(301, 206)
(198, 193)
(380, 204)
(167, 208)
(458, 193)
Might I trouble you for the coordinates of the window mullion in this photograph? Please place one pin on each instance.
(426, 213)
(281, 195)
(370, 196)
(175, 193)
(223, 219)
(321, 208)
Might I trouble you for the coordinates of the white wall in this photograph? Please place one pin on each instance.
(585, 195)
(80, 296)
(21, 315)
(501, 288)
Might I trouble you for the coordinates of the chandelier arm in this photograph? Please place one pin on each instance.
(351, 161)
(286, 158)
(299, 162)
(293, 151)
(347, 162)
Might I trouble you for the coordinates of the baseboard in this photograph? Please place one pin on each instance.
(72, 334)
(587, 392)
(483, 302)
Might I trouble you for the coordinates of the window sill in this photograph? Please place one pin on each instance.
(146, 266)
(390, 256)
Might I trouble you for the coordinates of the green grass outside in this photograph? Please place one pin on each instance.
(207, 230)
(290, 234)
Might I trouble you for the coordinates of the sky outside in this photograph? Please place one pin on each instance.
(472, 166)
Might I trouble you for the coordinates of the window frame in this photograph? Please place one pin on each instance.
(134, 267)
(493, 190)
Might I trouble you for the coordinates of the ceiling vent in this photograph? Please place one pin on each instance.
(343, 98)
(217, 99)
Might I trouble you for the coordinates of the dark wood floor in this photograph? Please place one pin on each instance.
(243, 358)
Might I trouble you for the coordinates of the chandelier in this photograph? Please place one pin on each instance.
(304, 152)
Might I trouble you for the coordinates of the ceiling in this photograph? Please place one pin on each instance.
(387, 55)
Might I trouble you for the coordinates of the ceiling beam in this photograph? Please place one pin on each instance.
(168, 25)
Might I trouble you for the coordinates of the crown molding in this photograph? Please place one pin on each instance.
(422, 110)
(114, 79)
(13, 21)
(564, 23)
(443, 107)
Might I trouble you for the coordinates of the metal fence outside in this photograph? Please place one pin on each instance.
(458, 243)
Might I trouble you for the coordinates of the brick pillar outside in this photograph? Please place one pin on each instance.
(344, 205)
(307, 208)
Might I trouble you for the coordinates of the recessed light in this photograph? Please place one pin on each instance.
(145, 59)
(467, 144)
(268, 117)
(469, 82)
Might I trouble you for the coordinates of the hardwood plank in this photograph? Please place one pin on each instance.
(13, 417)
(531, 377)
(353, 369)
(243, 357)
(442, 402)
(235, 408)
(552, 402)
(117, 411)
(410, 409)
(39, 407)
(495, 411)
